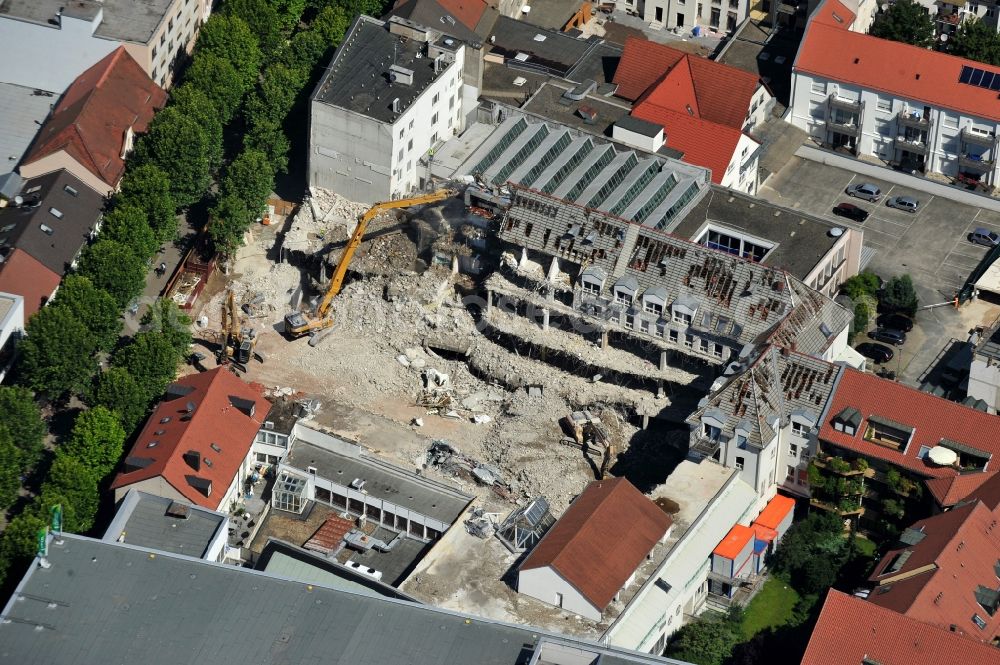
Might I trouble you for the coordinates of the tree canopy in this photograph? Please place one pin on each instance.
(58, 353)
(72, 483)
(905, 21)
(178, 145)
(114, 267)
(118, 391)
(707, 640)
(230, 219)
(166, 318)
(152, 360)
(222, 83)
(976, 40)
(900, 295)
(10, 470)
(94, 307)
(127, 224)
(265, 21)
(21, 417)
(194, 103)
(97, 440)
(148, 186)
(229, 38)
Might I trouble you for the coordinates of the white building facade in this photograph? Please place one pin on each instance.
(374, 124)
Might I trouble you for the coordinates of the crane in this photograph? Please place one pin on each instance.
(238, 341)
(298, 323)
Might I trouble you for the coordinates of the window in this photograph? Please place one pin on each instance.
(710, 431)
(741, 442)
(883, 104)
(950, 121)
(434, 119)
(979, 621)
(703, 345)
(437, 96)
(740, 461)
(451, 102)
(799, 429)
(717, 350)
(659, 329)
(623, 298)
(885, 434)
(790, 473)
(652, 307)
(591, 288)
(629, 322)
(673, 336)
(681, 317)
(818, 87)
(56, 212)
(793, 450)
(689, 341)
(409, 146)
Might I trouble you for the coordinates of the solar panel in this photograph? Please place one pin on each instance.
(977, 77)
(980, 78)
(996, 82)
(966, 75)
(987, 80)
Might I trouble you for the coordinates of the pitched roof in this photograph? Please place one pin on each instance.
(835, 13)
(58, 217)
(850, 629)
(93, 117)
(775, 511)
(734, 542)
(905, 71)
(27, 277)
(601, 539)
(932, 419)
(465, 15)
(950, 490)
(935, 579)
(988, 491)
(674, 79)
(218, 429)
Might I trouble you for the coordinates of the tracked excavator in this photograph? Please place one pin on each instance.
(298, 324)
(238, 340)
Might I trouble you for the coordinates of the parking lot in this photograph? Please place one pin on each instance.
(931, 245)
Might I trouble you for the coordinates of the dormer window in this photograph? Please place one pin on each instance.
(625, 289)
(888, 433)
(847, 421)
(654, 300)
(592, 280)
(681, 317)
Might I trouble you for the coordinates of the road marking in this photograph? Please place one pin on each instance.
(959, 265)
(891, 221)
(976, 216)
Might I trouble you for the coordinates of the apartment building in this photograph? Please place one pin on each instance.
(45, 44)
(683, 15)
(393, 92)
(893, 103)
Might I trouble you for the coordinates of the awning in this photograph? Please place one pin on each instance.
(990, 281)
(850, 357)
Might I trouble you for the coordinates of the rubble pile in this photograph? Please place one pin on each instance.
(446, 458)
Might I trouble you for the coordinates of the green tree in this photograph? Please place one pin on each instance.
(58, 353)
(112, 266)
(900, 295)
(166, 318)
(10, 470)
(178, 145)
(264, 21)
(21, 417)
(976, 40)
(93, 307)
(97, 440)
(149, 187)
(863, 284)
(151, 360)
(72, 483)
(249, 178)
(127, 224)
(905, 21)
(705, 641)
(20, 537)
(194, 103)
(860, 323)
(229, 38)
(230, 219)
(116, 390)
(221, 83)
(326, 31)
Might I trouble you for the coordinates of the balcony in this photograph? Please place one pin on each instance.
(911, 118)
(838, 102)
(849, 127)
(977, 138)
(975, 161)
(705, 446)
(913, 145)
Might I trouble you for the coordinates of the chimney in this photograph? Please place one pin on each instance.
(395, 105)
(193, 459)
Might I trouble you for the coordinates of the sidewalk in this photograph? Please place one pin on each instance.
(882, 173)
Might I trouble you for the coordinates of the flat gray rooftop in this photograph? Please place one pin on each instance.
(144, 520)
(382, 480)
(125, 20)
(111, 603)
(796, 254)
(555, 52)
(358, 77)
(598, 64)
(23, 113)
(549, 102)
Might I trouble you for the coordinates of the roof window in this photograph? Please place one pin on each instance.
(215, 447)
(56, 212)
(152, 444)
(164, 420)
(47, 230)
(69, 189)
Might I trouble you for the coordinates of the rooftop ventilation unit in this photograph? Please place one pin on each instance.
(395, 105)
(358, 484)
(178, 510)
(401, 75)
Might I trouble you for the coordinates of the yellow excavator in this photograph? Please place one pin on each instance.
(298, 324)
(238, 341)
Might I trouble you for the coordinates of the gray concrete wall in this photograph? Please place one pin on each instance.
(350, 154)
(545, 583)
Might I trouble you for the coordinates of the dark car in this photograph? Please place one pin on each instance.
(880, 353)
(850, 211)
(895, 321)
(889, 335)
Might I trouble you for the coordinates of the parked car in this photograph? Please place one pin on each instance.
(850, 211)
(890, 335)
(880, 353)
(865, 190)
(907, 203)
(896, 321)
(986, 237)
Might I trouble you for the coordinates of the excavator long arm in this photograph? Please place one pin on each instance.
(298, 324)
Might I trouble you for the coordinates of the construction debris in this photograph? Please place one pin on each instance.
(446, 458)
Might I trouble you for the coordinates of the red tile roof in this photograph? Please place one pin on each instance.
(734, 542)
(673, 79)
(937, 581)
(850, 629)
(776, 510)
(932, 419)
(23, 275)
(216, 421)
(950, 490)
(830, 11)
(467, 12)
(601, 539)
(899, 69)
(988, 492)
(92, 118)
(703, 143)
(329, 535)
